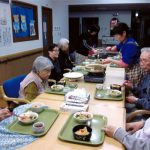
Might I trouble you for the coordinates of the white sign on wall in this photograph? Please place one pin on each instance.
(5, 25)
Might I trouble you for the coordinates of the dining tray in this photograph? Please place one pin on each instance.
(97, 138)
(106, 96)
(48, 116)
(114, 66)
(49, 91)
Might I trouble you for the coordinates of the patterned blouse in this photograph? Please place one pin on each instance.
(10, 140)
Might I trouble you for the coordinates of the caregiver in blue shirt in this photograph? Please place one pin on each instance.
(130, 53)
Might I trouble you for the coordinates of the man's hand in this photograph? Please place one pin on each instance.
(109, 130)
(128, 84)
(131, 99)
(134, 126)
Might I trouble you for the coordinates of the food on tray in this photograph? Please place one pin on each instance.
(95, 68)
(83, 116)
(37, 107)
(115, 93)
(57, 87)
(28, 117)
(38, 127)
(83, 131)
(99, 86)
(115, 86)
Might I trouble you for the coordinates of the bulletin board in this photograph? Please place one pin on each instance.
(24, 21)
(5, 25)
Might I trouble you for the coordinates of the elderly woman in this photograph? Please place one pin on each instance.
(130, 52)
(143, 89)
(63, 58)
(37, 80)
(12, 140)
(57, 72)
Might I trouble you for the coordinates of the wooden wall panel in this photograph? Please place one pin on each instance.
(21, 63)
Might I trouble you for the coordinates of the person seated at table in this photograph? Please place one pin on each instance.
(37, 80)
(130, 52)
(64, 60)
(135, 138)
(13, 140)
(86, 43)
(143, 89)
(57, 71)
(4, 113)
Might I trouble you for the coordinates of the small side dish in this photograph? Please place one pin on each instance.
(37, 107)
(115, 87)
(57, 88)
(115, 93)
(38, 127)
(83, 117)
(82, 132)
(28, 117)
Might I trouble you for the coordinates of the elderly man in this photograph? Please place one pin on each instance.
(143, 90)
(138, 133)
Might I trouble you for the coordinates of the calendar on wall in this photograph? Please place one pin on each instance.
(5, 25)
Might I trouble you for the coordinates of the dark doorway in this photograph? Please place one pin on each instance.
(141, 28)
(46, 29)
(74, 32)
(87, 22)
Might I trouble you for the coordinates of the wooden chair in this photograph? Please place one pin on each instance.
(135, 113)
(10, 90)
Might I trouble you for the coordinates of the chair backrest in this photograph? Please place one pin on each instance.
(11, 87)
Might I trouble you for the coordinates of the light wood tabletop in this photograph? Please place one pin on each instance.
(113, 76)
(51, 141)
(113, 110)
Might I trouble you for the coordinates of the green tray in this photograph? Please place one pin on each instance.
(48, 116)
(49, 91)
(107, 97)
(97, 138)
(114, 66)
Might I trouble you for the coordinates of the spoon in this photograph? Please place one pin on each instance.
(17, 115)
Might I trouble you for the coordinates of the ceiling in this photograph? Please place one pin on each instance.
(106, 7)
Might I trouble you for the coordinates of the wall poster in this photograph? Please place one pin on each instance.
(5, 25)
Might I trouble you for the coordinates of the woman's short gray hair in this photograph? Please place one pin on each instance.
(63, 42)
(145, 49)
(42, 63)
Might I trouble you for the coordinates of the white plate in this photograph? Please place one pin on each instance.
(73, 75)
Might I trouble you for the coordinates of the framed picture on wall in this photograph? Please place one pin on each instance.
(24, 21)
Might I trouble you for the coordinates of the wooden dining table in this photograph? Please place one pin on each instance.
(113, 110)
(113, 76)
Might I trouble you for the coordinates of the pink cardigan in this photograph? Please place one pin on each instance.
(32, 77)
